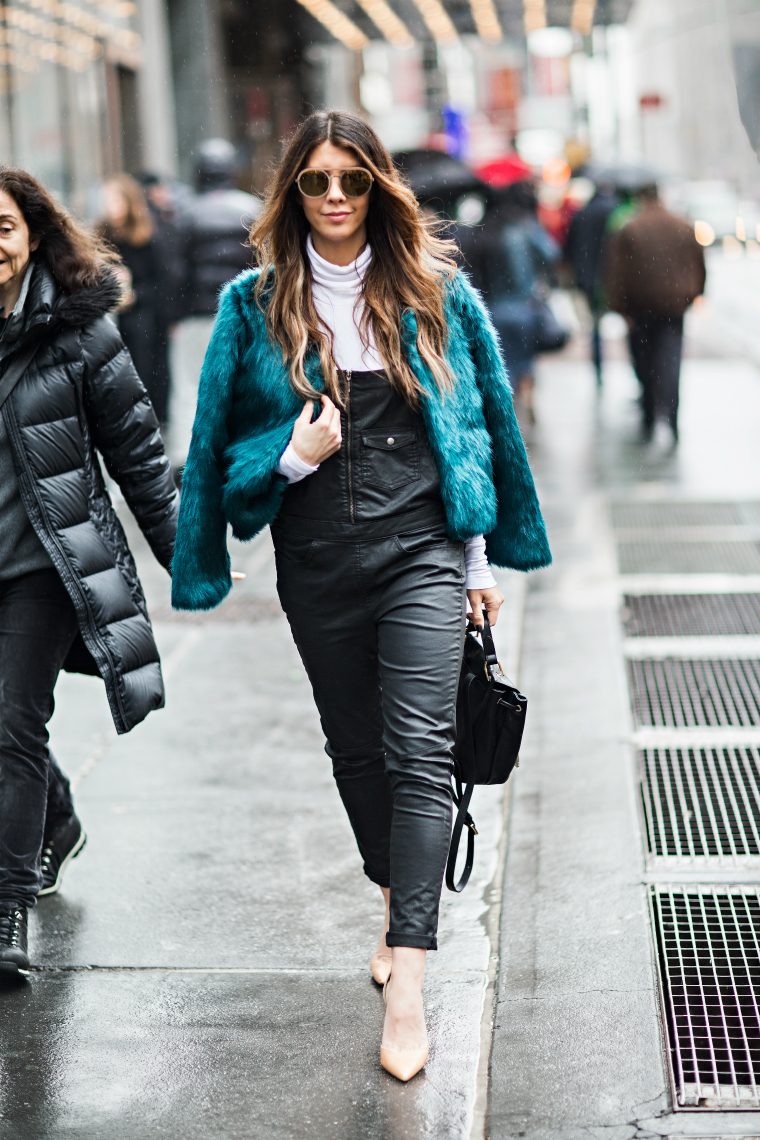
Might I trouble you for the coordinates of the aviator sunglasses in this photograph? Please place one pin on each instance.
(354, 183)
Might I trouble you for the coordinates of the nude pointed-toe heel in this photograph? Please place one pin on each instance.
(403, 1063)
(380, 967)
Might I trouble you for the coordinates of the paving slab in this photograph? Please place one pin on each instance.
(577, 1048)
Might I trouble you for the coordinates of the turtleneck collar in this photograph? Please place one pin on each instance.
(338, 278)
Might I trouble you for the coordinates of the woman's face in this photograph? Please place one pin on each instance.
(115, 205)
(335, 217)
(15, 244)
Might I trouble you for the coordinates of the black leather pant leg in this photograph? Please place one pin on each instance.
(379, 629)
(420, 620)
(336, 636)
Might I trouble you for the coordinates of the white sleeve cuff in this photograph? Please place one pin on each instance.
(478, 572)
(293, 467)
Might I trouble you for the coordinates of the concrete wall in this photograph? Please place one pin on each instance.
(683, 51)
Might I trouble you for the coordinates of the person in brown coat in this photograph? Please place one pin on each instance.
(654, 270)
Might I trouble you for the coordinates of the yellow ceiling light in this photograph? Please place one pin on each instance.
(437, 20)
(394, 29)
(486, 20)
(582, 19)
(334, 20)
(534, 15)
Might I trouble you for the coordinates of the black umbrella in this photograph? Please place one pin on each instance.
(437, 177)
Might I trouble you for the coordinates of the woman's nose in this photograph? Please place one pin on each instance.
(335, 193)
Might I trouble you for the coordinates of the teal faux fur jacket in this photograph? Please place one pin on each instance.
(245, 416)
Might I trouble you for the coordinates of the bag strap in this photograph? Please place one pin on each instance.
(16, 370)
(463, 819)
(488, 644)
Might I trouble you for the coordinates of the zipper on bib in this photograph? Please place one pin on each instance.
(349, 466)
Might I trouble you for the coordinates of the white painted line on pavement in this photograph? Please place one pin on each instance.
(697, 736)
(689, 583)
(106, 740)
(745, 646)
(180, 651)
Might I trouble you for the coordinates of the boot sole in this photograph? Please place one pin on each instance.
(59, 877)
(10, 969)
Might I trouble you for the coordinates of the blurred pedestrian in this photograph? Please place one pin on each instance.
(127, 224)
(655, 268)
(167, 235)
(215, 226)
(584, 247)
(378, 506)
(511, 258)
(69, 592)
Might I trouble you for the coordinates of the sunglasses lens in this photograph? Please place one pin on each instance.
(313, 183)
(356, 183)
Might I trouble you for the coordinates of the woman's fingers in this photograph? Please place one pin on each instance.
(490, 600)
(316, 440)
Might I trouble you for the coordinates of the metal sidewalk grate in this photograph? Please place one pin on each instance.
(701, 806)
(678, 693)
(673, 557)
(691, 615)
(668, 515)
(709, 964)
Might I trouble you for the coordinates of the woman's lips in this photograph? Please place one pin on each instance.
(337, 217)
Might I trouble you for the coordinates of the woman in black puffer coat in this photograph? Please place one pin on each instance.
(69, 592)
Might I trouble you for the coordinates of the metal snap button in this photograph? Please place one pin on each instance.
(390, 439)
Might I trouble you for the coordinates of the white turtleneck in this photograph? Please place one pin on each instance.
(336, 290)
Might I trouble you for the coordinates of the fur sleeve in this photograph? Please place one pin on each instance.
(519, 538)
(201, 567)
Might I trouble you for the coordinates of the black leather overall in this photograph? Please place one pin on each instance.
(374, 593)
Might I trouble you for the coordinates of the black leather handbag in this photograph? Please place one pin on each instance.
(490, 723)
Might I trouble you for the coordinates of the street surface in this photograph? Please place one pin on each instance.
(203, 973)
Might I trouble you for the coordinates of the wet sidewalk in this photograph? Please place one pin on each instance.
(578, 1046)
(204, 971)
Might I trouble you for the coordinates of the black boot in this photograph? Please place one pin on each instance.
(58, 849)
(13, 928)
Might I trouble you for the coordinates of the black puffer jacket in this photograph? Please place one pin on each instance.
(80, 393)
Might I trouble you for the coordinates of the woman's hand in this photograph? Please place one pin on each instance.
(490, 600)
(315, 442)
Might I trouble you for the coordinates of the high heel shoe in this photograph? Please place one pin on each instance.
(402, 1063)
(380, 967)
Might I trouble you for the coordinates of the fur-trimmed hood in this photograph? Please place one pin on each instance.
(245, 415)
(43, 303)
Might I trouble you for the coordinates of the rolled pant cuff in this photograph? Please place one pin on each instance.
(415, 941)
(379, 880)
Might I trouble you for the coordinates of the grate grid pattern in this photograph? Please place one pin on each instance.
(691, 615)
(709, 961)
(677, 693)
(627, 516)
(673, 557)
(702, 804)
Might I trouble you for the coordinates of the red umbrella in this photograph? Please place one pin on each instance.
(504, 171)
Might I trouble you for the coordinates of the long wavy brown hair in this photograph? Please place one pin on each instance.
(77, 257)
(410, 263)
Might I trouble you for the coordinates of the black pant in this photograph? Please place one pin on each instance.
(656, 350)
(379, 626)
(37, 627)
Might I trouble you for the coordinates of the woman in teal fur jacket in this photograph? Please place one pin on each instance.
(353, 398)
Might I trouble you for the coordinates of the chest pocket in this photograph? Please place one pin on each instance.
(390, 459)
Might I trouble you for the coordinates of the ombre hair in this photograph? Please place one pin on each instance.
(409, 268)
